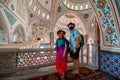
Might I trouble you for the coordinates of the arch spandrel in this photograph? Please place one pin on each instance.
(107, 22)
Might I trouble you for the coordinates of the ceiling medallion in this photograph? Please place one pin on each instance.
(34, 24)
(59, 9)
(31, 15)
(86, 16)
(69, 15)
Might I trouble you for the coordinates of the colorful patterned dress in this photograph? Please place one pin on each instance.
(61, 62)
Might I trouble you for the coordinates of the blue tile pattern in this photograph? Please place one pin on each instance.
(110, 63)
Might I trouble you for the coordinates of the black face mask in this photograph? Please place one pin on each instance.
(71, 28)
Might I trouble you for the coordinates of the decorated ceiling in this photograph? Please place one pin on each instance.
(54, 14)
(46, 4)
(33, 20)
(77, 4)
(77, 0)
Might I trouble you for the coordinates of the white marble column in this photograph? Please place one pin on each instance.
(51, 39)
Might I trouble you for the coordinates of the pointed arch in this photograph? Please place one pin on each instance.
(19, 34)
(107, 23)
(63, 20)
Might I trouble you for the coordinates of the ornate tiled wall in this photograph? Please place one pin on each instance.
(86, 16)
(10, 18)
(107, 22)
(18, 35)
(21, 10)
(110, 63)
(3, 37)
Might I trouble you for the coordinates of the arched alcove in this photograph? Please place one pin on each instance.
(62, 22)
(18, 34)
(37, 22)
(39, 30)
(93, 31)
(42, 36)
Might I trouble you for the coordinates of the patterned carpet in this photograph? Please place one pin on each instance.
(99, 76)
(85, 74)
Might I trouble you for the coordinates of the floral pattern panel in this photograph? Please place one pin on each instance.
(107, 21)
(12, 20)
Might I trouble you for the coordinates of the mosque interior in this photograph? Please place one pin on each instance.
(28, 32)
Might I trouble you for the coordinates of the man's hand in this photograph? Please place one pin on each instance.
(54, 49)
(75, 50)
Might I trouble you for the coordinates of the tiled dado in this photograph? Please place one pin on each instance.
(110, 62)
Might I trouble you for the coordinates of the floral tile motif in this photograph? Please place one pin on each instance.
(107, 21)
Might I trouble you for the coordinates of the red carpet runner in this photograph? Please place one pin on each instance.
(83, 72)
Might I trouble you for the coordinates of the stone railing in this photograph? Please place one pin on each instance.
(14, 59)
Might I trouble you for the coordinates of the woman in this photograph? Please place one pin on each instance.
(61, 53)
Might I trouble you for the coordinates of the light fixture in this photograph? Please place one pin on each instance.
(68, 5)
(72, 6)
(48, 16)
(65, 2)
(76, 7)
(39, 12)
(43, 15)
(86, 6)
(34, 8)
(81, 7)
(30, 3)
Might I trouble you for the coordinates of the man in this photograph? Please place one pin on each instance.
(74, 47)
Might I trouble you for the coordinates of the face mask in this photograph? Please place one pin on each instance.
(60, 35)
(71, 28)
